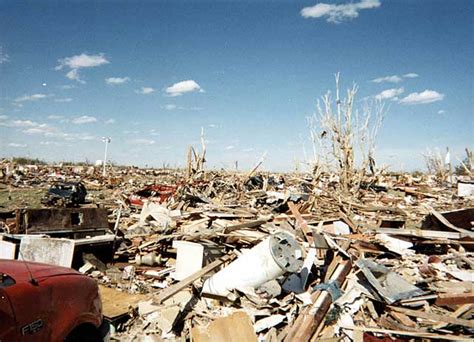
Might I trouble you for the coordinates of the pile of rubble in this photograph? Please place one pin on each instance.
(271, 257)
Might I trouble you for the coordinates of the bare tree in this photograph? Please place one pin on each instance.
(196, 160)
(340, 132)
(435, 164)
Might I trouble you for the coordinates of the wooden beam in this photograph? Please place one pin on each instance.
(434, 317)
(449, 225)
(303, 225)
(308, 321)
(455, 298)
(173, 289)
(347, 220)
(405, 333)
(427, 234)
(458, 313)
(249, 224)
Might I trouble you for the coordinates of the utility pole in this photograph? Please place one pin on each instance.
(106, 140)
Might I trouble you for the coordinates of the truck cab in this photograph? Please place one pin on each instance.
(40, 302)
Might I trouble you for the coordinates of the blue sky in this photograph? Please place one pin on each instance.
(150, 74)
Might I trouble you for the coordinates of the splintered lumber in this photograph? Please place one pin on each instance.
(434, 317)
(170, 291)
(315, 313)
(458, 313)
(426, 234)
(301, 221)
(416, 193)
(449, 225)
(408, 333)
(249, 224)
(308, 321)
(347, 220)
(455, 298)
(462, 257)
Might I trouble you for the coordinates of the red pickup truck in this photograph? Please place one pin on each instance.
(41, 302)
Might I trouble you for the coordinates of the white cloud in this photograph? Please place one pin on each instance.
(82, 61)
(389, 94)
(110, 121)
(411, 75)
(23, 123)
(78, 62)
(175, 107)
(84, 136)
(394, 78)
(130, 132)
(117, 80)
(427, 96)
(338, 13)
(213, 125)
(441, 112)
(16, 145)
(74, 76)
(145, 90)
(391, 79)
(67, 86)
(34, 97)
(50, 143)
(170, 107)
(83, 120)
(230, 147)
(183, 87)
(3, 117)
(30, 127)
(3, 56)
(55, 117)
(34, 128)
(40, 129)
(66, 99)
(142, 141)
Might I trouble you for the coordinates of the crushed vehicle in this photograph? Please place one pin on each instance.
(40, 302)
(66, 194)
(156, 193)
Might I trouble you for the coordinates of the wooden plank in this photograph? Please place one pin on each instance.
(249, 224)
(416, 193)
(458, 313)
(434, 317)
(427, 234)
(408, 333)
(309, 319)
(449, 225)
(402, 318)
(173, 289)
(455, 298)
(303, 225)
(347, 220)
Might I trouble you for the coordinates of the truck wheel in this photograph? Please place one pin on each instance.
(84, 333)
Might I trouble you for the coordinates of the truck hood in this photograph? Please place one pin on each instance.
(18, 270)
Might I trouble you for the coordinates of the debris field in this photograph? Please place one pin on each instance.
(229, 256)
